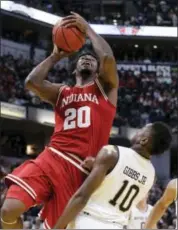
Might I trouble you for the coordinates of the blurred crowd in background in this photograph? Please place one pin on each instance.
(122, 12)
(13, 73)
(146, 53)
(143, 98)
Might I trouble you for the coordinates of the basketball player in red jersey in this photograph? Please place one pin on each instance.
(83, 119)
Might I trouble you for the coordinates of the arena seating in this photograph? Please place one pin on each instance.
(142, 98)
(147, 12)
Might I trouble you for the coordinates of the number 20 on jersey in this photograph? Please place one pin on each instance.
(77, 118)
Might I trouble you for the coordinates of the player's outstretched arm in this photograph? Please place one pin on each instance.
(108, 70)
(36, 82)
(162, 205)
(105, 160)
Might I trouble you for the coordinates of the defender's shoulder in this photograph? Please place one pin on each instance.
(109, 155)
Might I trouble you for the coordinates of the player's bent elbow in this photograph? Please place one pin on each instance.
(29, 83)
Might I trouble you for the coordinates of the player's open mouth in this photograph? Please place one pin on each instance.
(86, 64)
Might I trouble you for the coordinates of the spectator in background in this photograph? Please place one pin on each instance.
(143, 96)
(13, 72)
(147, 12)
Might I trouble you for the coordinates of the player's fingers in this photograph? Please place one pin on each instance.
(69, 17)
(74, 24)
(65, 54)
(84, 163)
(74, 13)
(70, 24)
(88, 163)
(67, 22)
(85, 166)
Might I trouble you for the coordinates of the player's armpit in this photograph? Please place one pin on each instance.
(105, 161)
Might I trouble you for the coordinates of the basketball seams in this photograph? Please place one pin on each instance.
(70, 50)
(70, 38)
(73, 30)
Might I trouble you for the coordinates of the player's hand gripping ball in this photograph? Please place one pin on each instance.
(68, 37)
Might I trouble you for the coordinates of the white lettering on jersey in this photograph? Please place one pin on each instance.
(95, 100)
(79, 97)
(77, 118)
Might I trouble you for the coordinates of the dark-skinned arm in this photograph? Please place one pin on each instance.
(105, 161)
(36, 82)
(108, 70)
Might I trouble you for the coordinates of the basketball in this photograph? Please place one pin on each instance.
(68, 39)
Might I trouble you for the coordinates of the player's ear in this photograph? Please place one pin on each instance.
(144, 141)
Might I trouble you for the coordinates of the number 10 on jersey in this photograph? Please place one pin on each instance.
(77, 118)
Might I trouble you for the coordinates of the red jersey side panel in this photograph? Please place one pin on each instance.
(83, 119)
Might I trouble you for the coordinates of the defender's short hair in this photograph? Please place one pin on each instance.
(161, 138)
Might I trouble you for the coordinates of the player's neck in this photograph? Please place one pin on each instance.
(81, 81)
(141, 151)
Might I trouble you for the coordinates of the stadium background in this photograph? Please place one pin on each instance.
(147, 59)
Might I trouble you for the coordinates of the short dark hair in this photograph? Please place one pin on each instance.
(87, 51)
(90, 52)
(161, 138)
(82, 52)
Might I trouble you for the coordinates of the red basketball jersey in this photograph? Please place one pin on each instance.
(83, 120)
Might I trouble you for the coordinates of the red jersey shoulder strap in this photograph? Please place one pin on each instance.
(101, 89)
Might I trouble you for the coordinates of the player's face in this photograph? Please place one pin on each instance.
(87, 64)
(143, 135)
